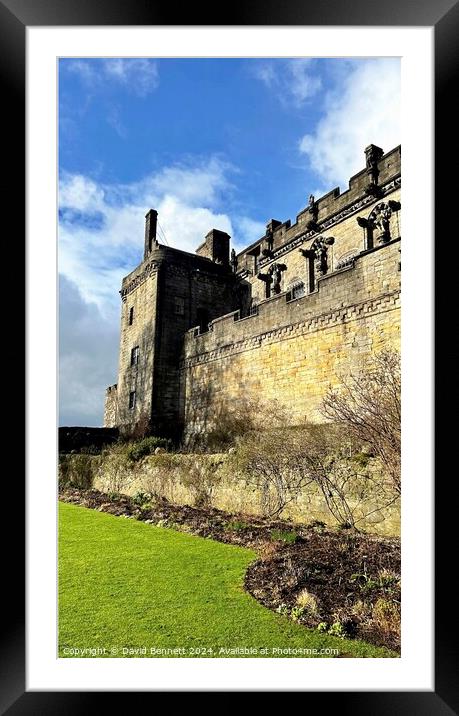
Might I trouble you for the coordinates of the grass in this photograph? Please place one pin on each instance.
(283, 536)
(125, 585)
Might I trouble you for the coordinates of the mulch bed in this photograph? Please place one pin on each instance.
(353, 578)
(340, 569)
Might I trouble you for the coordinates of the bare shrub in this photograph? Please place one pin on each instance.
(232, 422)
(64, 471)
(307, 601)
(367, 405)
(163, 473)
(201, 479)
(282, 462)
(385, 617)
(115, 471)
(77, 471)
(267, 462)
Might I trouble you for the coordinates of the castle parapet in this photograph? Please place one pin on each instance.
(337, 295)
(380, 177)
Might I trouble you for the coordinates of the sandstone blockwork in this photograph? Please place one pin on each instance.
(283, 320)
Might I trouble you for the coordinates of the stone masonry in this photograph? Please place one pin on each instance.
(283, 320)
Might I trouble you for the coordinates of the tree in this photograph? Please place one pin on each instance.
(367, 405)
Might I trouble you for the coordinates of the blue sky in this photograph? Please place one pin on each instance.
(210, 143)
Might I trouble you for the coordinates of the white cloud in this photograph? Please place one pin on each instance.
(115, 121)
(295, 80)
(248, 231)
(304, 83)
(80, 193)
(185, 226)
(101, 227)
(203, 182)
(84, 69)
(138, 75)
(88, 357)
(265, 72)
(101, 240)
(363, 109)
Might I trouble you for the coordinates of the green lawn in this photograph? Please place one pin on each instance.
(125, 584)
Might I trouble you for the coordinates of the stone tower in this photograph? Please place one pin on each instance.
(170, 292)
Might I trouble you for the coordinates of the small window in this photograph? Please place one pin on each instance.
(131, 315)
(179, 306)
(135, 356)
(297, 290)
(132, 400)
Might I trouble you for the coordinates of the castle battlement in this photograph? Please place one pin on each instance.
(380, 178)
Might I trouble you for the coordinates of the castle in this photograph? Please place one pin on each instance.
(282, 320)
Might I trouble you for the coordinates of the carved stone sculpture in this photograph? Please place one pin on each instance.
(275, 272)
(233, 260)
(313, 210)
(269, 239)
(319, 249)
(372, 156)
(380, 219)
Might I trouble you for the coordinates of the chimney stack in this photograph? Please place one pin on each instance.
(373, 155)
(215, 247)
(151, 220)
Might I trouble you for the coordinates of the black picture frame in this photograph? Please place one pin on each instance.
(443, 16)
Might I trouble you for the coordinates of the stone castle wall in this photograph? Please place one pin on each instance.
(348, 238)
(111, 407)
(138, 328)
(292, 351)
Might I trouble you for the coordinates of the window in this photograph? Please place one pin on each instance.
(298, 290)
(179, 306)
(131, 315)
(135, 356)
(346, 260)
(132, 400)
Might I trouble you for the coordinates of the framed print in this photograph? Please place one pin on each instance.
(229, 382)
